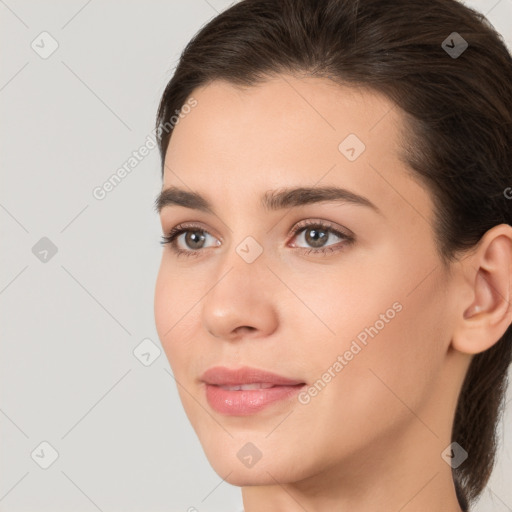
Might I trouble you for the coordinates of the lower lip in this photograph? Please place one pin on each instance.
(244, 403)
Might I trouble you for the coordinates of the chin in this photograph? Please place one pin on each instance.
(239, 470)
(244, 478)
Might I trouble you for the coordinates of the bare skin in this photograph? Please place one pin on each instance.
(372, 438)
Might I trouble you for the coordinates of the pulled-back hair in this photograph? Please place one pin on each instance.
(457, 136)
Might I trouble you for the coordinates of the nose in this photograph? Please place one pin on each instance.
(237, 332)
(242, 302)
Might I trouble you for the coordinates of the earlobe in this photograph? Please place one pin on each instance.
(489, 274)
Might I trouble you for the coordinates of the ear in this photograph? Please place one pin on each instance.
(487, 312)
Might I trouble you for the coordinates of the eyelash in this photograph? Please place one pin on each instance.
(184, 228)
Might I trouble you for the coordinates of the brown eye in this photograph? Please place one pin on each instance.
(317, 234)
(194, 239)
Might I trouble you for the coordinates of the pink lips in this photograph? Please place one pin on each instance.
(242, 402)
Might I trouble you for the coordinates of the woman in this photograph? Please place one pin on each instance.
(334, 292)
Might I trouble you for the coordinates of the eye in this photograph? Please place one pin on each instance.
(317, 233)
(194, 237)
(314, 233)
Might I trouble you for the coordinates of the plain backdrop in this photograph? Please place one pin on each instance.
(89, 412)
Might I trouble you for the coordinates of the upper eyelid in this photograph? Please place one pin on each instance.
(332, 226)
(344, 233)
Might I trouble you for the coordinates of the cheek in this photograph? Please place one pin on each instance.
(163, 301)
(174, 317)
(174, 320)
(389, 325)
(396, 343)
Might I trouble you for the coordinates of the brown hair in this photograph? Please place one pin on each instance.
(457, 137)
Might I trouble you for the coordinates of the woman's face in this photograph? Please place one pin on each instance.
(364, 325)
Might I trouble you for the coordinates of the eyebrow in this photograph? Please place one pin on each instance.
(272, 200)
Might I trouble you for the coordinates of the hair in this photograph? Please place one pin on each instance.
(457, 131)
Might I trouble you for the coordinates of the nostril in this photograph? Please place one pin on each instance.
(245, 327)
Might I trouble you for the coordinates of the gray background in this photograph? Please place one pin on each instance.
(71, 322)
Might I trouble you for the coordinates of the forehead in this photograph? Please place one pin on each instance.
(282, 117)
(290, 130)
(290, 107)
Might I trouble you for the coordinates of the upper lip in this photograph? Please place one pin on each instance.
(223, 376)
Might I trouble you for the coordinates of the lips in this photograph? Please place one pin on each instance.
(244, 376)
(245, 391)
(247, 387)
